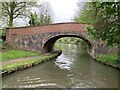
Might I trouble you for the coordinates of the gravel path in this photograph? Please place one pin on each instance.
(21, 59)
(18, 60)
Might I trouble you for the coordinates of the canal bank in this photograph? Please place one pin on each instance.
(101, 60)
(74, 68)
(24, 64)
(105, 59)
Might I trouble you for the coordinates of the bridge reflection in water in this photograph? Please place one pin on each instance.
(73, 69)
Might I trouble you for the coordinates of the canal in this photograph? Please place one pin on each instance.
(74, 68)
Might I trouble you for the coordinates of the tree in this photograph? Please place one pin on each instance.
(85, 15)
(14, 9)
(108, 25)
(106, 17)
(43, 15)
(36, 20)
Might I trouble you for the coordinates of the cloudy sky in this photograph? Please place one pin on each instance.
(63, 10)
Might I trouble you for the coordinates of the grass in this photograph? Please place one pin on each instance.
(108, 58)
(14, 54)
(9, 53)
(25, 64)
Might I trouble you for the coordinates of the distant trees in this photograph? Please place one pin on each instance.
(87, 14)
(43, 15)
(36, 20)
(73, 40)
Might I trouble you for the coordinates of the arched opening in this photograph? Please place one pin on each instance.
(49, 44)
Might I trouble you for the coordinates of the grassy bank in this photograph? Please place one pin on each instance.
(9, 54)
(10, 68)
(111, 60)
(14, 54)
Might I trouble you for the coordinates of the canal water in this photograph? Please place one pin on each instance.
(74, 68)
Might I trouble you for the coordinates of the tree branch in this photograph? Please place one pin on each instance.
(19, 8)
(6, 7)
(20, 15)
(21, 3)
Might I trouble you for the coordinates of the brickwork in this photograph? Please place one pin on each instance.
(41, 32)
(42, 38)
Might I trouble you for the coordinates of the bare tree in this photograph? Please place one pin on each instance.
(14, 9)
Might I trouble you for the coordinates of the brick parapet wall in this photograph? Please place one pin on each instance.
(63, 27)
(48, 28)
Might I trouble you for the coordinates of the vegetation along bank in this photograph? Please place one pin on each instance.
(15, 60)
(106, 59)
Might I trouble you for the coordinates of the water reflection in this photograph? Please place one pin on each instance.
(73, 69)
(63, 62)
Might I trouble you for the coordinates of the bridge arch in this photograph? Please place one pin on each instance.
(48, 45)
(42, 38)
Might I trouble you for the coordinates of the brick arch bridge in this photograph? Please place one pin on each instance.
(49, 42)
(42, 38)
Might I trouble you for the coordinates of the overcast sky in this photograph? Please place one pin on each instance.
(64, 10)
